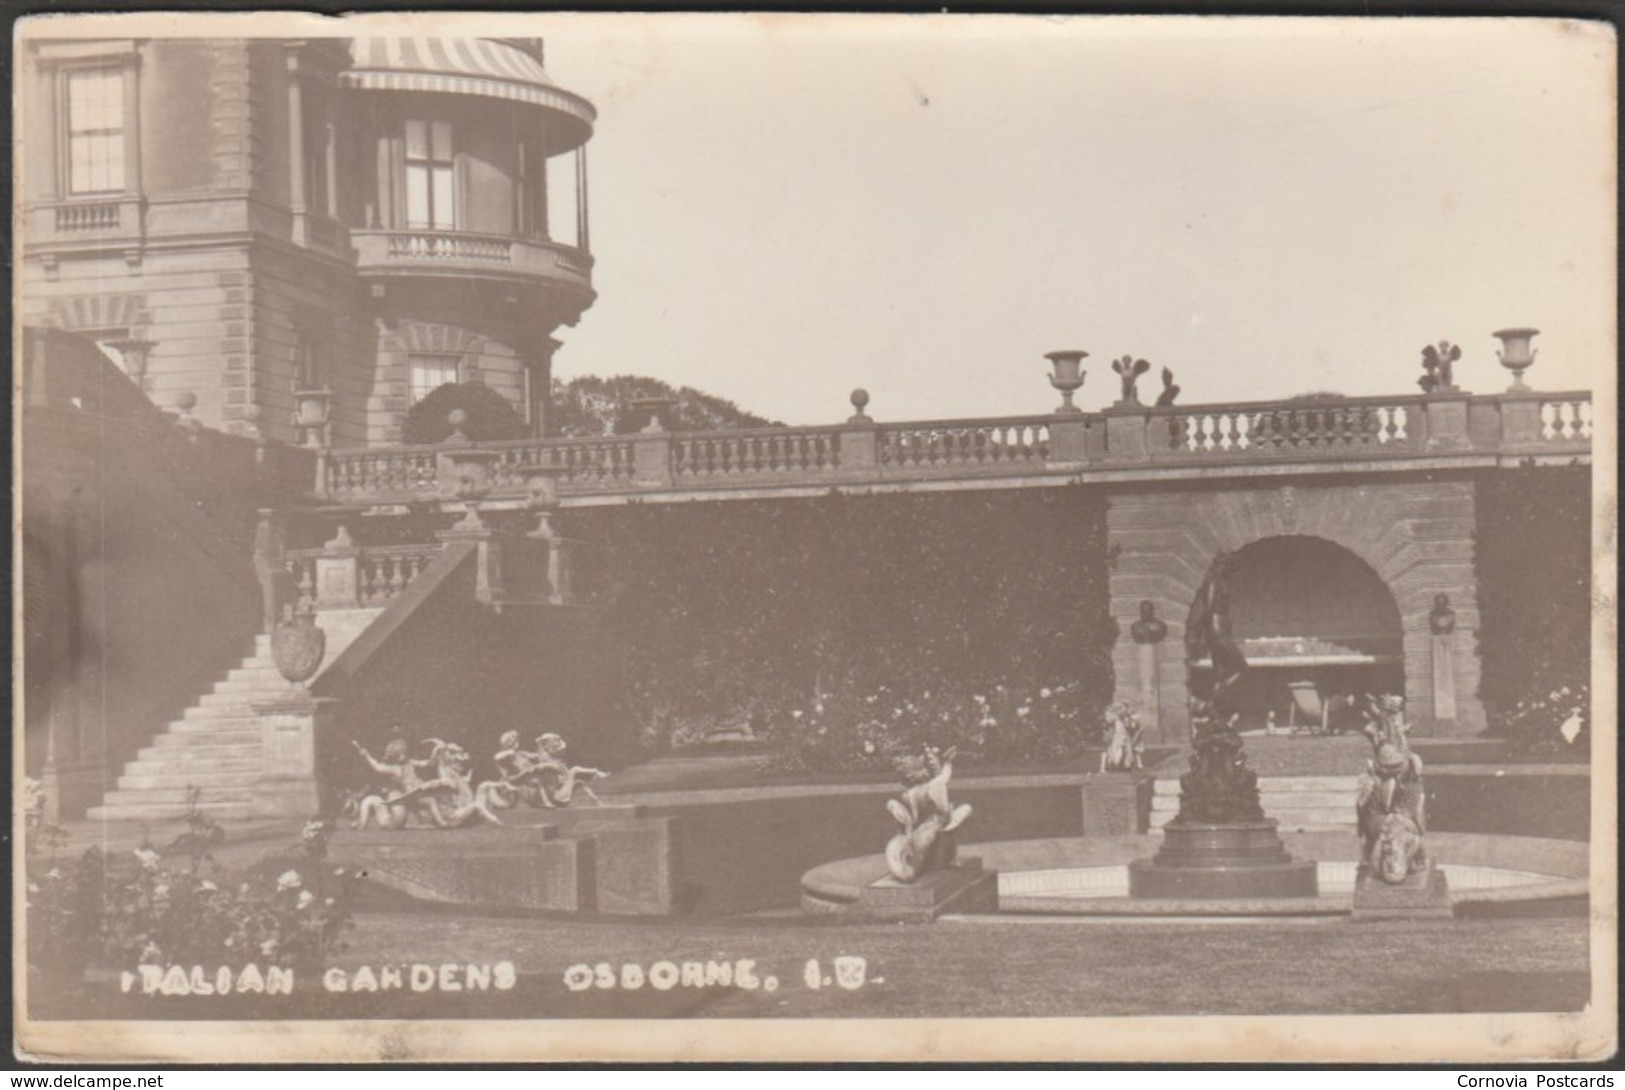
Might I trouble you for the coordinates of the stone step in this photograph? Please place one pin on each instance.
(222, 700)
(1267, 784)
(1275, 799)
(214, 713)
(156, 812)
(252, 688)
(183, 747)
(215, 724)
(185, 760)
(1289, 819)
(187, 778)
(178, 795)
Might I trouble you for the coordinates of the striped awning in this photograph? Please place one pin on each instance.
(470, 66)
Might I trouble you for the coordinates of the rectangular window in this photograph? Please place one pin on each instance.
(311, 363)
(430, 373)
(95, 131)
(430, 198)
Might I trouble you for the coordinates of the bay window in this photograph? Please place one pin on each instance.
(430, 176)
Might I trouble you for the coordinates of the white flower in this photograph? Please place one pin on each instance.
(818, 709)
(151, 955)
(53, 873)
(868, 747)
(926, 695)
(32, 888)
(288, 879)
(1022, 711)
(148, 857)
(306, 898)
(329, 902)
(796, 714)
(207, 887)
(989, 721)
(1045, 693)
(979, 698)
(268, 948)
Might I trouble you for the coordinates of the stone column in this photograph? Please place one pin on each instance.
(1125, 434)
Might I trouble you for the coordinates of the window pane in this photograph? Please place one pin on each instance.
(417, 140)
(441, 148)
(442, 201)
(429, 373)
(417, 196)
(95, 101)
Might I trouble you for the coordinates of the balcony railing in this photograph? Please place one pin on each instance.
(88, 216)
(461, 252)
(1321, 436)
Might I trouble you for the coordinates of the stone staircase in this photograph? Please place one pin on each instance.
(1299, 803)
(215, 745)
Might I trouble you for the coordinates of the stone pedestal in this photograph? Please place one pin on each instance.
(1444, 680)
(287, 783)
(964, 887)
(1219, 862)
(1150, 677)
(1424, 894)
(531, 868)
(1113, 804)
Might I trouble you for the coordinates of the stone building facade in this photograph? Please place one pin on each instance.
(305, 236)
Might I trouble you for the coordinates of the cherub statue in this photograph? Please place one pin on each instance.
(1390, 810)
(452, 799)
(1125, 745)
(403, 776)
(1129, 371)
(928, 819)
(565, 778)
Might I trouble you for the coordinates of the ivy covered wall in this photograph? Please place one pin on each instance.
(850, 628)
(1534, 569)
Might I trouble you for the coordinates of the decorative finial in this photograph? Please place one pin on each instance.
(186, 401)
(457, 418)
(860, 401)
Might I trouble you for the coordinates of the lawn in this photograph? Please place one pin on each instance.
(1026, 968)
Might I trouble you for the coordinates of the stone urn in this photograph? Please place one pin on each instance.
(1066, 375)
(542, 496)
(1516, 355)
(311, 412)
(297, 647)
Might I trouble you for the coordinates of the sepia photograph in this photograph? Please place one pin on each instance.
(814, 538)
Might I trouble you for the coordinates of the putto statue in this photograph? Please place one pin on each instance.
(543, 778)
(1220, 788)
(443, 798)
(926, 842)
(1125, 741)
(1129, 371)
(1438, 368)
(1390, 805)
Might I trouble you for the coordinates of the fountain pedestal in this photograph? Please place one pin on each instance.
(1219, 861)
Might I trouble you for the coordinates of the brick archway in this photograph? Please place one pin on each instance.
(1417, 536)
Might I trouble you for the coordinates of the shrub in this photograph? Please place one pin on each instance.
(490, 416)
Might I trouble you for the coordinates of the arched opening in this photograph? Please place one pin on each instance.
(1310, 616)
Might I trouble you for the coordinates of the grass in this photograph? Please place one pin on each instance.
(1032, 968)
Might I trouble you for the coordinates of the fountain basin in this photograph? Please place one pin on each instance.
(1089, 876)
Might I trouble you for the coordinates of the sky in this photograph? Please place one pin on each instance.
(786, 207)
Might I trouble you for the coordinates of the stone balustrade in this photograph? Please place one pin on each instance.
(1318, 435)
(367, 575)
